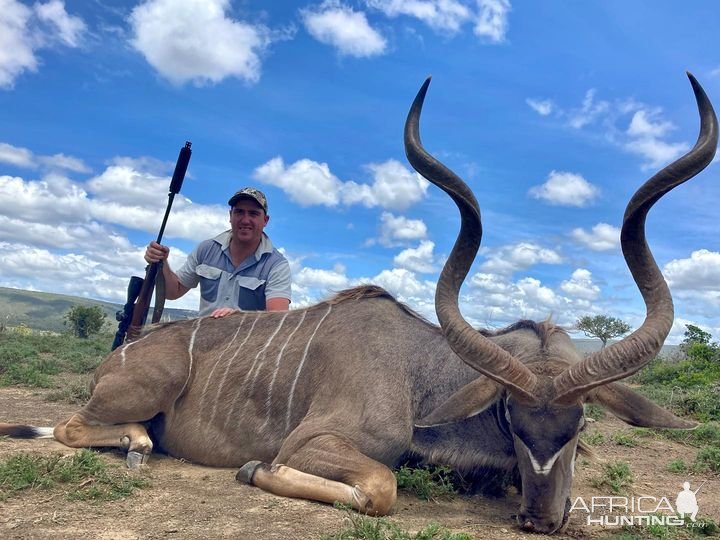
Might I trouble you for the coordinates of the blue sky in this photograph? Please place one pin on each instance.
(553, 112)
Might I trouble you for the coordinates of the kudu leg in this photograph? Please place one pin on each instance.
(327, 469)
(78, 433)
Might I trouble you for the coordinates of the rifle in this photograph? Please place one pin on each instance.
(132, 317)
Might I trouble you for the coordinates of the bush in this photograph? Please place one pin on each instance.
(85, 320)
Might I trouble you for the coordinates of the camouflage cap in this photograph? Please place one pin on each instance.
(250, 193)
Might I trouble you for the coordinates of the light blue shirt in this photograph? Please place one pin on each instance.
(264, 274)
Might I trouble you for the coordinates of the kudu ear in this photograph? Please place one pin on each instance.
(471, 399)
(635, 409)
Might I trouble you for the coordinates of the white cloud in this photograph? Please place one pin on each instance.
(543, 107)
(512, 258)
(590, 110)
(19, 157)
(195, 41)
(492, 20)
(405, 285)
(63, 162)
(394, 186)
(309, 183)
(419, 259)
(642, 135)
(580, 285)
(330, 280)
(565, 189)
(23, 31)
(68, 29)
(603, 237)
(701, 272)
(644, 138)
(441, 15)
(306, 182)
(53, 200)
(335, 24)
(22, 157)
(656, 152)
(642, 125)
(399, 230)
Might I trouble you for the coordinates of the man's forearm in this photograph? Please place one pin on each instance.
(173, 288)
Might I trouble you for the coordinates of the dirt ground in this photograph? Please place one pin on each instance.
(190, 501)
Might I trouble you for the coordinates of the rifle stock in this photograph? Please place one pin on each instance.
(142, 305)
(124, 316)
(134, 313)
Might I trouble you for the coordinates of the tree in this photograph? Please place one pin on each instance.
(693, 334)
(85, 320)
(602, 327)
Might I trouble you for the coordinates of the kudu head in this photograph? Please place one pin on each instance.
(544, 393)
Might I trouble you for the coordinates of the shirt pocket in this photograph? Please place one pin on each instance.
(249, 282)
(209, 281)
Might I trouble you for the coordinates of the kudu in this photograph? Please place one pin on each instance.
(320, 402)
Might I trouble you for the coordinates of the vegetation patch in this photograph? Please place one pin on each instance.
(615, 476)
(75, 393)
(624, 438)
(84, 474)
(708, 459)
(369, 528)
(594, 438)
(594, 411)
(690, 386)
(704, 434)
(34, 358)
(427, 483)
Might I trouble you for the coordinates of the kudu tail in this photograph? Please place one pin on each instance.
(20, 431)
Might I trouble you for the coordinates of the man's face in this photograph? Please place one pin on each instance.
(247, 221)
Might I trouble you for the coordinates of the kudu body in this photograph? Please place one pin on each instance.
(320, 402)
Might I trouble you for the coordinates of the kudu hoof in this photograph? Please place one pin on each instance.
(247, 471)
(136, 459)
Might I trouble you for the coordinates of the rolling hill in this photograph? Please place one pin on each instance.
(45, 311)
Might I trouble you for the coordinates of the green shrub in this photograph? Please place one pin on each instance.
(677, 466)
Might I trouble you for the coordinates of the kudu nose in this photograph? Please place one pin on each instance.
(537, 525)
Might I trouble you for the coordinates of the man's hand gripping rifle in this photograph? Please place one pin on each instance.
(134, 313)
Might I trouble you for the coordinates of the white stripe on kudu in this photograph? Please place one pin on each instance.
(268, 401)
(227, 369)
(203, 396)
(196, 327)
(263, 353)
(299, 369)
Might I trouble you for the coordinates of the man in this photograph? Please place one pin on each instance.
(238, 269)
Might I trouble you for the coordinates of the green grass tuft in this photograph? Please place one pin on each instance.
(594, 411)
(615, 476)
(427, 483)
(593, 438)
(361, 527)
(84, 473)
(624, 438)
